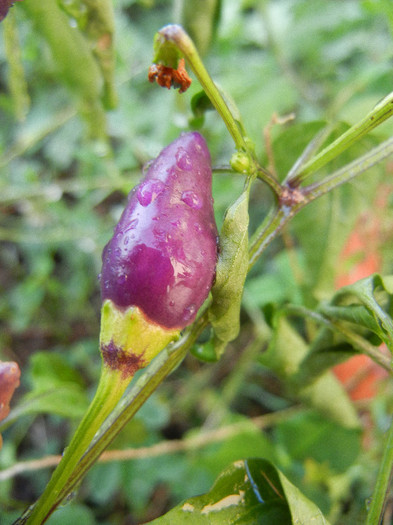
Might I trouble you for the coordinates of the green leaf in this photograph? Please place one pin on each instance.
(64, 401)
(370, 293)
(285, 356)
(309, 435)
(73, 58)
(248, 492)
(363, 305)
(50, 370)
(224, 313)
(322, 227)
(200, 20)
(327, 350)
(248, 441)
(200, 103)
(303, 511)
(57, 389)
(16, 78)
(290, 144)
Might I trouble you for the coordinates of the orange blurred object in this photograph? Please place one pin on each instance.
(360, 258)
(9, 381)
(361, 377)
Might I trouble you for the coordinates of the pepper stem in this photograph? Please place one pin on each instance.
(176, 35)
(128, 342)
(110, 389)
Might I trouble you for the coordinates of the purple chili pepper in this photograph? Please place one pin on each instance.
(163, 253)
(4, 7)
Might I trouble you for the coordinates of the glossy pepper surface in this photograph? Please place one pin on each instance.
(163, 253)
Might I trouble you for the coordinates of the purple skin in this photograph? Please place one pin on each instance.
(4, 6)
(163, 253)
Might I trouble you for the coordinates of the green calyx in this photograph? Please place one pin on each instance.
(166, 52)
(128, 340)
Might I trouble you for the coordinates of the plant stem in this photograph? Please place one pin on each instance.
(167, 361)
(349, 171)
(109, 391)
(88, 443)
(177, 36)
(382, 111)
(378, 499)
(298, 198)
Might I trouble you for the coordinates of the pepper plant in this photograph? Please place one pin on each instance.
(171, 285)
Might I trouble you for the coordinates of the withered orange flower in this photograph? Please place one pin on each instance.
(168, 77)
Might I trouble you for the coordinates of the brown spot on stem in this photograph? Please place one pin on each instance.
(291, 196)
(117, 359)
(168, 77)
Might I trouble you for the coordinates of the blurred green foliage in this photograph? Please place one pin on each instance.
(79, 121)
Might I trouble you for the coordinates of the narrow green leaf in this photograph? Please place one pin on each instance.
(303, 511)
(224, 313)
(73, 58)
(16, 77)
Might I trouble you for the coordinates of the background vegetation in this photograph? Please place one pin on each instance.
(75, 131)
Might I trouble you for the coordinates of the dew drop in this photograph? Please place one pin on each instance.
(190, 198)
(122, 279)
(197, 227)
(183, 160)
(149, 190)
(158, 231)
(171, 303)
(99, 277)
(126, 240)
(131, 225)
(189, 312)
(118, 252)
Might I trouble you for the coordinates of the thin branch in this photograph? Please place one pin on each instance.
(159, 449)
(292, 200)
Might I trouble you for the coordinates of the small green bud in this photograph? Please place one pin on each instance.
(205, 352)
(240, 162)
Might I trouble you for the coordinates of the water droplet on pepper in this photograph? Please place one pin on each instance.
(192, 200)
